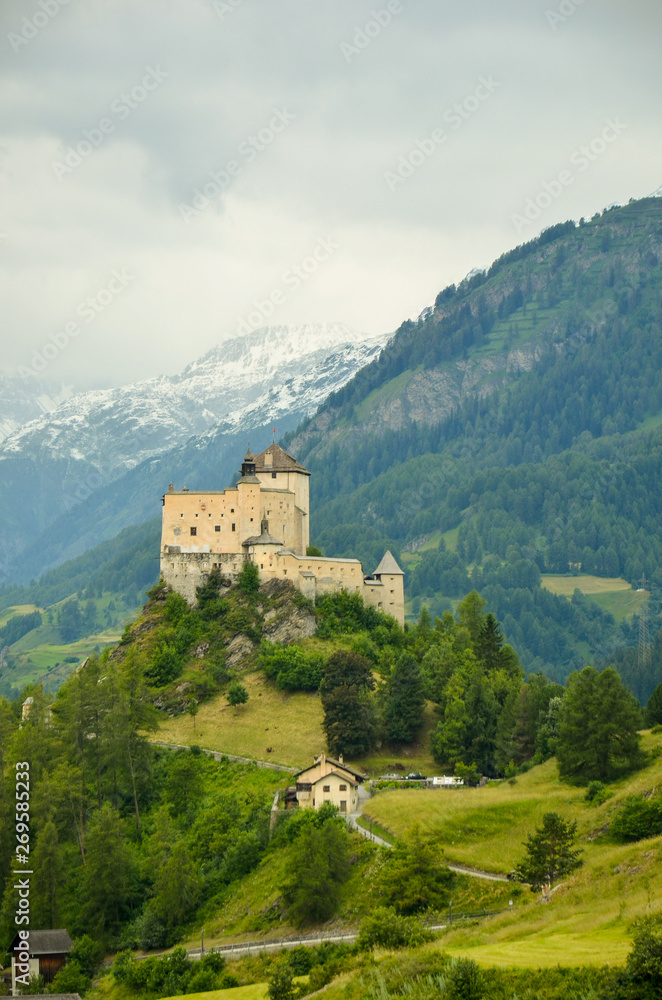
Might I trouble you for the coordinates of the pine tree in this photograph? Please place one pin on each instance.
(348, 724)
(405, 701)
(598, 738)
(470, 615)
(414, 877)
(490, 641)
(549, 854)
(654, 707)
(109, 874)
(48, 880)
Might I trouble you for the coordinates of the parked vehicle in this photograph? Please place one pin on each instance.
(415, 776)
(391, 777)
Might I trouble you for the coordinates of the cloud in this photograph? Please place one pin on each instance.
(224, 74)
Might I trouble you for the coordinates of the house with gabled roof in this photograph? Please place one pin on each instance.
(329, 780)
(47, 951)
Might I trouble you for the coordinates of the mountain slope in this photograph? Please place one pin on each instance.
(550, 300)
(537, 443)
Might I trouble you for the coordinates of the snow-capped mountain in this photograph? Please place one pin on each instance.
(67, 477)
(22, 400)
(241, 383)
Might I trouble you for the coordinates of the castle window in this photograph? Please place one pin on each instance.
(232, 510)
(217, 527)
(194, 531)
(181, 515)
(274, 475)
(261, 565)
(196, 515)
(233, 527)
(252, 519)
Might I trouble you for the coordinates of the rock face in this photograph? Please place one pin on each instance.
(292, 627)
(287, 621)
(238, 651)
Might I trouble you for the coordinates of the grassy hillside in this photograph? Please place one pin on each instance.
(613, 595)
(43, 655)
(285, 728)
(587, 919)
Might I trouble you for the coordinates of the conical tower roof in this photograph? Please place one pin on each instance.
(388, 566)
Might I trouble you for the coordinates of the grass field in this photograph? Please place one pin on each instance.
(587, 919)
(40, 655)
(612, 594)
(590, 585)
(17, 609)
(291, 724)
(254, 992)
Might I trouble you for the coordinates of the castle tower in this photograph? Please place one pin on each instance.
(280, 473)
(391, 578)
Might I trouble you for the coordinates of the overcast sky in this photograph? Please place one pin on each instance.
(309, 113)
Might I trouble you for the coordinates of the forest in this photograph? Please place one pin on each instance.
(133, 844)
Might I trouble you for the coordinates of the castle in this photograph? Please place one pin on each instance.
(264, 519)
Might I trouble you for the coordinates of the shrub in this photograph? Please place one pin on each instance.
(249, 578)
(597, 793)
(281, 983)
(637, 818)
(466, 981)
(71, 979)
(384, 928)
(644, 963)
(290, 667)
(237, 694)
(166, 665)
(203, 981)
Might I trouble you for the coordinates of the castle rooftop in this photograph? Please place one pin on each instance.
(276, 459)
